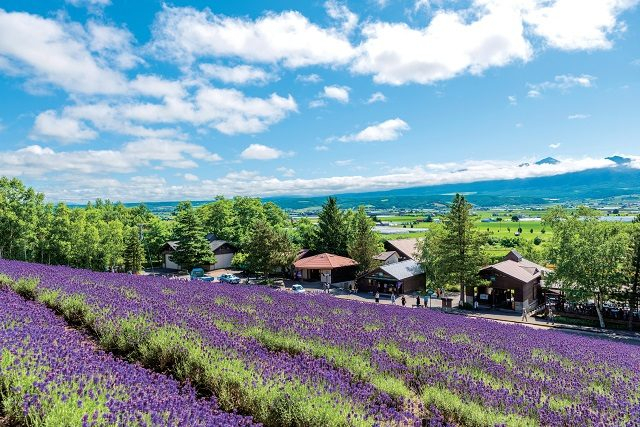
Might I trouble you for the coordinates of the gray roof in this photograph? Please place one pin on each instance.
(403, 269)
(383, 256)
(214, 244)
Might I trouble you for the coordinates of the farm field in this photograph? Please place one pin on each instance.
(315, 360)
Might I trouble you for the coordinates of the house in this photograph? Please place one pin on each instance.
(326, 268)
(516, 282)
(223, 251)
(405, 248)
(388, 257)
(400, 277)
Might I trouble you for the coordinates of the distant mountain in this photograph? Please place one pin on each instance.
(548, 161)
(619, 160)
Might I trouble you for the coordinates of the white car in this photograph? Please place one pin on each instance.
(297, 288)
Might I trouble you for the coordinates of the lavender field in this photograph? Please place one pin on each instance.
(298, 360)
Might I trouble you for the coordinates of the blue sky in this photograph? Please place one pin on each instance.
(186, 100)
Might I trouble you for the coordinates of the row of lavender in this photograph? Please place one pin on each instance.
(376, 363)
(51, 375)
(148, 319)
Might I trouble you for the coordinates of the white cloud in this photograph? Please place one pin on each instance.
(389, 130)
(63, 129)
(513, 100)
(37, 161)
(184, 34)
(577, 24)
(240, 74)
(261, 152)
(191, 177)
(554, 146)
(451, 44)
(113, 45)
(339, 93)
(288, 172)
(308, 78)
(342, 14)
(376, 97)
(343, 162)
(321, 148)
(578, 116)
(562, 82)
(317, 103)
(89, 3)
(48, 52)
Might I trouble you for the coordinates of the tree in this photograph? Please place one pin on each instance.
(588, 256)
(633, 268)
(218, 218)
(246, 211)
(271, 249)
(431, 257)
(333, 232)
(364, 243)
(133, 253)
(305, 233)
(461, 246)
(515, 218)
(193, 249)
(112, 243)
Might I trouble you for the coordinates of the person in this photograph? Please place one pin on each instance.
(403, 300)
(377, 297)
(524, 315)
(418, 301)
(475, 304)
(551, 316)
(393, 298)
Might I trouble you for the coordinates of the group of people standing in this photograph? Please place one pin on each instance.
(403, 299)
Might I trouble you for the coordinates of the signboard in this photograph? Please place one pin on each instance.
(484, 297)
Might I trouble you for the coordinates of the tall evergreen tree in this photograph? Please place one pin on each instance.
(633, 268)
(193, 248)
(364, 243)
(133, 253)
(332, 229)
(461, 246)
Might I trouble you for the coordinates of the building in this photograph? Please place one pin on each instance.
(400, 277)
(326, 268)
(223, 251)
(388, 257)
(405, 248)
(515, 282)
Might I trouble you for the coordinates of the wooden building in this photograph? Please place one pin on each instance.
(223, 251)
(400, 277)
(405, 248)
(326, 268)
(388, 257)
(514, 283)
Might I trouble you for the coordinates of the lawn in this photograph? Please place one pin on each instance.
(312, 360)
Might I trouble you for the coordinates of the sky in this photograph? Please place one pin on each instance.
(147, 100)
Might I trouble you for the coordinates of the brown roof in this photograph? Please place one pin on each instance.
(324, 262)
(383, 256)
(405, 247)
(514, 265)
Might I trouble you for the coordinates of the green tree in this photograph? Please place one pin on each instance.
(333, 230)
(364, 243)
(112, 244)
(431, 257)
(461, 246)
(219, 218)
(632, 267)
(246, 211)
(193, 249)
(589, 257)
(271, 249)
(305, 234)
(133, 253)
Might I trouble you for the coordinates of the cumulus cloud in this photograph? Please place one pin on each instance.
(376, 97)
(185, 34)
(89, 3)
(36, 160)
(308, 78)
(30, 43)
(449, 45)
(339, 93)
(63, 129)
(389, 130)
(562, 82)
(554, 146)
(287, 172)
(261, 152)
(191, 177)
(342, 14)
(240, 74)
(513, 100)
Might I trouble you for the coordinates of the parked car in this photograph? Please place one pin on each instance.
(198, 274)
(229, 278)
(297, 288)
